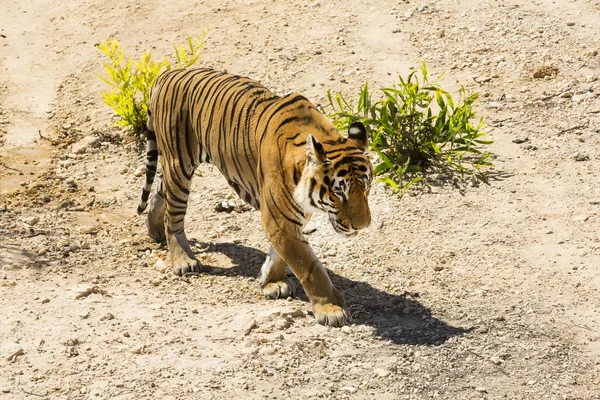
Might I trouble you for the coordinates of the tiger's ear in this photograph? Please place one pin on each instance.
(314, 151)
(358, 133)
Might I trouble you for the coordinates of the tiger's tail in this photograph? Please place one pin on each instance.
(151, 164)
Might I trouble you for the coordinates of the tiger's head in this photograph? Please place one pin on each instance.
(336, 180)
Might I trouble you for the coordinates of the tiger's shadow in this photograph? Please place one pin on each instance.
(399, 318)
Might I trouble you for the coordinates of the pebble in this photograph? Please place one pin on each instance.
(249, 327)
(141, 170)
(350, 389)
(88, 230)
(496, 360)
(483, 79)
(160, 266)
(88, 142)
(580, 157)
(481, 389)
(519, 140)
(346, 329)
(107, 317)
(267, 351)
(139, 349)
(31, 221)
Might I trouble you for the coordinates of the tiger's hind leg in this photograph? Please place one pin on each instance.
(176, 198)
(155, 222)
(274, 281)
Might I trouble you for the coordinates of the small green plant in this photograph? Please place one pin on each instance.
(130, 82)
(410, 132)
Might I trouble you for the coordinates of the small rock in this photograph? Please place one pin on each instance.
(141, 170)
(496, 360)
(580, 157)
(482, 329)
(88, 230)
(346, 329)
(249, 327)
(438, 267)
(483, 79)
(481, 389)
(592, 53)
(107, 317)
(31, 221)
(422, 7)
(350, 389)
(126, 334)
(66, 204)
(495, 104)
(160, 266)
(45, 301)
(526, 146)
(544, 71)
(85, 143)
(139, 349)
(519, 140)
(570, 23)
(267, 351)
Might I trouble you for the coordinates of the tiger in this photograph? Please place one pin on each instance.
(280, 154)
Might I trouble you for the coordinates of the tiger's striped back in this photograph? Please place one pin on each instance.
(212, 117)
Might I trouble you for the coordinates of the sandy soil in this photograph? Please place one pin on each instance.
(458, 291)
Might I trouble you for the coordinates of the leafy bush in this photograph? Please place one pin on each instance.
(130, 82)
(410, 132)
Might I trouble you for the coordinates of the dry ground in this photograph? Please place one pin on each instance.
(458, 290)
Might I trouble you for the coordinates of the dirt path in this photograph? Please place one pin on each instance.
(458, 291)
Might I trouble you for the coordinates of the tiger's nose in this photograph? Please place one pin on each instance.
(361, 220)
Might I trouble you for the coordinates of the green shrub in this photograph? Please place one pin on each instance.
(409, 132)
(130, 82)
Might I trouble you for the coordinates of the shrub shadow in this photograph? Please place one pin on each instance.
(399, 318)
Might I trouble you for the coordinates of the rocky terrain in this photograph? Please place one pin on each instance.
(458, 290)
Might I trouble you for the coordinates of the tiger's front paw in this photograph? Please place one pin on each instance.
(333, 311)
(332, 315)
(280, 289)
(186, 265)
